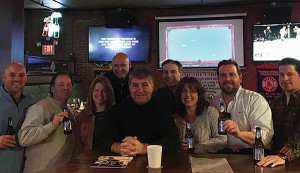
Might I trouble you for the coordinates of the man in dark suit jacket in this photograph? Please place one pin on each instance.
(118, 76)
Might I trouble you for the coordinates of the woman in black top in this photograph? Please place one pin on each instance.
(90, 122)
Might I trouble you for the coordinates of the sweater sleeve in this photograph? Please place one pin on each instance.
(292, 149)
(36, 127)
(216, 142)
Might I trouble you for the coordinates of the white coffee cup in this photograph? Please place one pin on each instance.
(154, 156)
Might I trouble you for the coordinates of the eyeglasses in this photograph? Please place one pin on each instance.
(186, 91)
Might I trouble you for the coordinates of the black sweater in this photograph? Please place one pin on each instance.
(150, 123)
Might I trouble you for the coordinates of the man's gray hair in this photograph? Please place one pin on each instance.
(141, 73)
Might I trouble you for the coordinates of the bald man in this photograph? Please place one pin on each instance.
(12, 104)
(118, 76)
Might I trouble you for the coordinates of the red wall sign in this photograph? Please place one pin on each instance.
(48, 50)
(268, 86)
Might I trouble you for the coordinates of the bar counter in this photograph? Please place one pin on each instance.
(172, 163)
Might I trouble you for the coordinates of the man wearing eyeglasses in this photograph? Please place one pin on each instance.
(248, 110)
(139, 121)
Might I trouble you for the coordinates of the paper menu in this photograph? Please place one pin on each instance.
(111, 162)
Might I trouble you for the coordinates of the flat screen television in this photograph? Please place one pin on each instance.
(43, 65)
(273, 42)
(104, 43)
(201, 43)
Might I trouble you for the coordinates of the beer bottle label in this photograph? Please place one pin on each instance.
(258, 153)
(221, 127)
(190, 142)
(67, 125)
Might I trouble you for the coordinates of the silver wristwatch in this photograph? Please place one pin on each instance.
(283, 156)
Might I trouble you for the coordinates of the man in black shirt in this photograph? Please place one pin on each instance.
(139, 121)
(118, 76)
(171, 74)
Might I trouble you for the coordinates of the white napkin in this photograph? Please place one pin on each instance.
(210, 165)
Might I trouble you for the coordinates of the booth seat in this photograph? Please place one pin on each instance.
(41, 91)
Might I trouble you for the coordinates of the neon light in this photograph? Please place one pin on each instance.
(52, 28)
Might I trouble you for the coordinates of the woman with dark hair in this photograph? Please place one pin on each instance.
(193, 107)
(90, 122)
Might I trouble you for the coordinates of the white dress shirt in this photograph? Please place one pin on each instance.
(248, 110)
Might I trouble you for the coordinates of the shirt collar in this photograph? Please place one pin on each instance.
(3, 90)
(9, 96)
(62, 105)
(296, 95)
(238, 92)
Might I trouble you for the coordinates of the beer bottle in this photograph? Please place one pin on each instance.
(67, 124)
(222, 118)
(76, 104)
(10, 128)
(189, 137)
(258, 147)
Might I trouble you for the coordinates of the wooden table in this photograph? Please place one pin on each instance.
(173, 163)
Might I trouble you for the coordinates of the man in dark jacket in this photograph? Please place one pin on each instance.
(118, 76)
(171, 75)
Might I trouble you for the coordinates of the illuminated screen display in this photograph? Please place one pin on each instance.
(274, 42)
(104, 43)
(201, 43)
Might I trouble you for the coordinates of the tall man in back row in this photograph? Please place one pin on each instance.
(248, 110)
(118, 76)
(171, 75)
(286, 116)
(12, 104)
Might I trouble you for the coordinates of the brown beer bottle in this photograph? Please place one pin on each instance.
(67, 124)
(189, 137)
(222, 118)
(258, 147)
(10, 128)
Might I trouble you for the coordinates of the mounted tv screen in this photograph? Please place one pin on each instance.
(274, 42)
(201, 43)
(104, 43)
(43, 65)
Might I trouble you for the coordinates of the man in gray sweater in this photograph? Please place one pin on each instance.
(42, 132)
